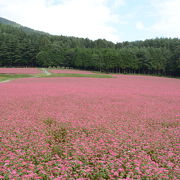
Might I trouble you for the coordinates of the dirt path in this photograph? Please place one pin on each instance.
(45, 71)
(5, 81)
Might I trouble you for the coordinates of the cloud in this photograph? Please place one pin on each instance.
(114, 20)
(80, 18)
(117, 3)
(140, 25)
(168, 17)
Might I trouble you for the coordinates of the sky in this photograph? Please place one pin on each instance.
(113, 20)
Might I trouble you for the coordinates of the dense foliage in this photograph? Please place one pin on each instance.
(26, 47)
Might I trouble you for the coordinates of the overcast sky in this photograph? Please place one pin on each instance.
(114, 20)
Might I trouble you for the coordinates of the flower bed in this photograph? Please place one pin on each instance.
(87, 128)
(19, 71)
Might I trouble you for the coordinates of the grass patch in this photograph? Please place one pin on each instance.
(76, 75)
(56, 131)
(4, 77)
(153, 75)
(170, 124)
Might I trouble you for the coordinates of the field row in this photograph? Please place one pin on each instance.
(79, 128)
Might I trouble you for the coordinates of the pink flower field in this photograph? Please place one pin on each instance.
(89, 128)
(69, 71)
(19, 71)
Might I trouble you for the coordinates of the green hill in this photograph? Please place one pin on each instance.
(14, 24)
(8, 22)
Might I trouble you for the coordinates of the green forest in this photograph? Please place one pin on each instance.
(24, 47)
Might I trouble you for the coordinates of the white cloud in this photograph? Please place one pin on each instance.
(140, 25)
(117, 3)
(80, 18)
(96, 18)
(168, 18)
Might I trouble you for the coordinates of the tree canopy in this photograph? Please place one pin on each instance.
(26, 47)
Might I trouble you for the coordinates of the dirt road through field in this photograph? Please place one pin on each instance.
(45, 71)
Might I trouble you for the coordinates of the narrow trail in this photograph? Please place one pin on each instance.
(5, 81)
(45, 71)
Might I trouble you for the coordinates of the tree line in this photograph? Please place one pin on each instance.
(21, 48)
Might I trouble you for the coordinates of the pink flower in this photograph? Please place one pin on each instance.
(116, 173)
(78, 127)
